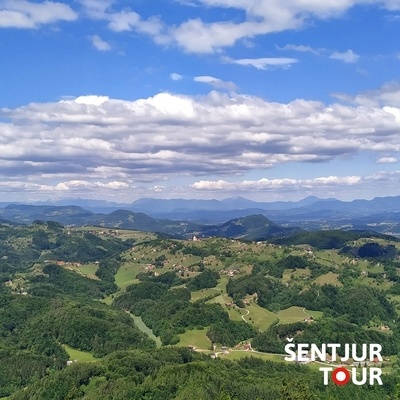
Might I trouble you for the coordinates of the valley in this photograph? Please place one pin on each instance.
(99, 293)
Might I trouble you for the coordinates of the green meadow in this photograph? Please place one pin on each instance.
(78, 355)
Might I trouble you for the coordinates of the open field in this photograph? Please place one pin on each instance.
(88, 270)
(120, 233)
(260, 317)
(78, 355)
(329, 278)
(329, 257)
(253, 314)
(145, 329)
(296, 314)
(201, 294)
(235, 314)
(237, 354)
(378, 268)
(126, 275)
(195, 337)
(300, 273)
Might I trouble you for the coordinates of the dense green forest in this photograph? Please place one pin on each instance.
(181, 374)
(168, 312)
(71, 294)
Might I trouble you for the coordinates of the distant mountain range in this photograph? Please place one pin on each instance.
(171, 208)
(254, 227)
(78, 216)
(180, 216)
(152, 206)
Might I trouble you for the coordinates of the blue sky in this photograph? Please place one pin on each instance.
(266, 99)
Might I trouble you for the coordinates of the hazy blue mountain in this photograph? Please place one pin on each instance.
(74, 215)
(253, 227)
(381, 214)
(168, 205)
(194, 208)
(139, 221)
(23, 213)
(378, 204)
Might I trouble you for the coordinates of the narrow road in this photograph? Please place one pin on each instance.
(245, 315)
(305, 312)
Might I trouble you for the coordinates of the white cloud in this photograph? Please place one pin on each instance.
(96, 9)
(347, 56)
(90, 100)
(299, 48)
(123, 21)
(99, 143)
(131, 21)
(387, 160)
(261, 17)
(276, 184)
(215, 82)
(263, 63)
(196, 36)
(344, 187)
(387, 95)
(27, 15)
(82, 184)
(175, 77)
(99, 43)
(392, 5)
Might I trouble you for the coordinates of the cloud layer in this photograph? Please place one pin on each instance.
(97, 142)
(28, 15)
(193, 35)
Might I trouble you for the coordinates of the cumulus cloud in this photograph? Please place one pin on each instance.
(78, 184)
(299, 48)
(215, 82)
(387, 160)
(124, 20)
(99, 44)
(98, 143)
(90, 100)
(387, 95)
(261, 17)
(263, 63)
(348, 56)
(326, 186)
(176, 77)
(24, 14)
(276, 184)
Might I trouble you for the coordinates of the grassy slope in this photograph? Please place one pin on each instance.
(145, 329)
(243, 256)
(78, 355)
(296, 314)
(195, 337)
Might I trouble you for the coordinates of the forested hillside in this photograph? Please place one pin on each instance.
(83, 310)
(181, 374)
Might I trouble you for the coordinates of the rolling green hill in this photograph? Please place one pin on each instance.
(66, 291)
(254, 227)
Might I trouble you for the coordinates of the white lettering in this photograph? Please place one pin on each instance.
(334, 347)
(318, 353)
(363, 355)
(346, 353)
(363, 380)
(325, 370)
(375, 351)
(302, 352)
(375, 374)
(288, 350)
